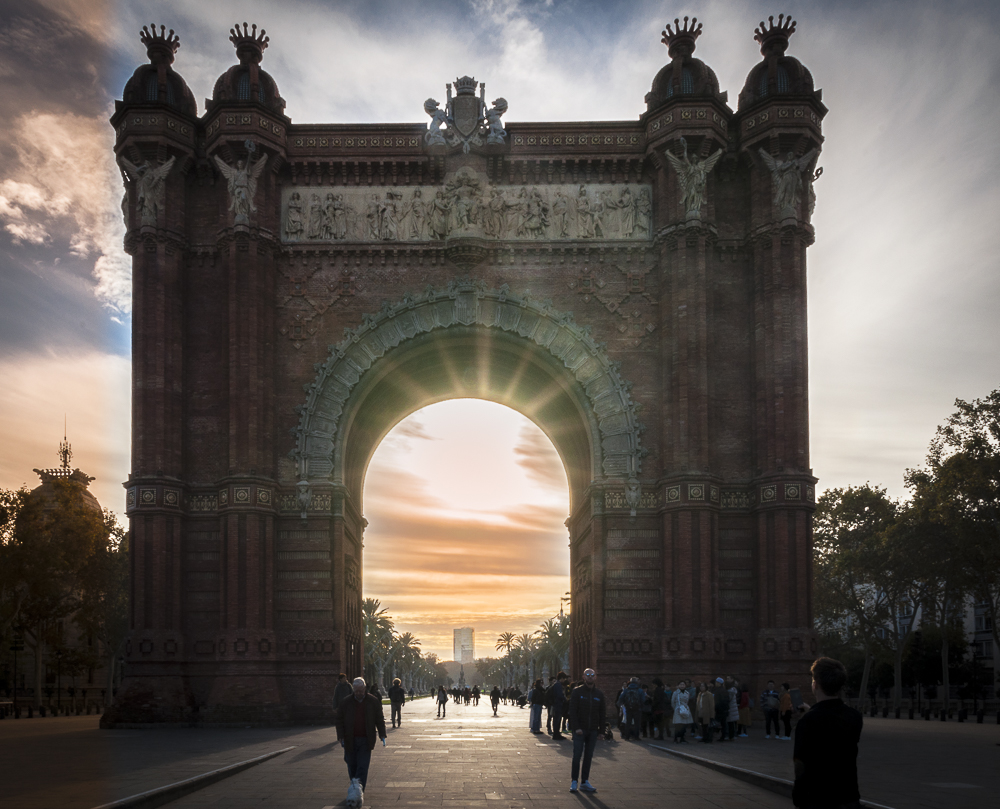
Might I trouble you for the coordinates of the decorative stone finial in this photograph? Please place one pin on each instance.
(65, 453)
(249, 44)
(773, 38)
(680, 41)
(160, 47)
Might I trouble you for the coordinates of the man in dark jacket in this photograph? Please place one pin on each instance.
(397, 696)
(586, 718)
(557, 703)
(721, 696)
(630, 702)
(826, 744)
(769, 701)
(341, 691)
(359, 718)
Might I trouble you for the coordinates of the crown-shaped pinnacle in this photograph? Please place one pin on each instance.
(249, 44)
(773, 37)
(680, 41)
(159, 46)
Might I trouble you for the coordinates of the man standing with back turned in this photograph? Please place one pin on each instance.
(826, 744)
(586, 718)
(359, 717)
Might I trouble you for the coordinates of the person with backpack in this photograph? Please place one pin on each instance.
(442, 701)
(769, 702)
(630, 702)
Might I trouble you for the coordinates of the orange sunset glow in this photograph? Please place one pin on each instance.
(465, 502)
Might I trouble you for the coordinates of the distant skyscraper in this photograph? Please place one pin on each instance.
(465, 645)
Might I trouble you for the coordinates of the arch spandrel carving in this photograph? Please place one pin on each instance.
(466, 303)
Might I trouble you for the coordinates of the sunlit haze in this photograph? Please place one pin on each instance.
(465, 502)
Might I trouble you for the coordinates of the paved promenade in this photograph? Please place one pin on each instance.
(470, 759)
(902, 763)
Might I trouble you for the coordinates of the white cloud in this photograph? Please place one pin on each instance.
(63, 187)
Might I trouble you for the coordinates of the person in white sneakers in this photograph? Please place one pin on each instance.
(586, 718)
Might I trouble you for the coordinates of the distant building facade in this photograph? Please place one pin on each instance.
(465, 645)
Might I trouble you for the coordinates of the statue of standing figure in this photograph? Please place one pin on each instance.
(150, 183)
(294, 224)
(692, 174)
(786, 178)
(241, 180)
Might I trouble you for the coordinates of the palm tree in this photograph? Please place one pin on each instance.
(526, 646)
(378, 639)
(406, 652)
(554, 644)
(505, 644)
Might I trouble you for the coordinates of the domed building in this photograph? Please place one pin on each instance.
(73, 675)
(246, 82)
(157, 83)
(778, 76)
(683, 75)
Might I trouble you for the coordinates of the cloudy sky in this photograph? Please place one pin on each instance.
(904, 277)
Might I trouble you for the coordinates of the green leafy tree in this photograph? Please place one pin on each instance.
(956, 508)
(104, 604)
(850, 563)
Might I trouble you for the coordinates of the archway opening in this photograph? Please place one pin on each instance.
(466, 502)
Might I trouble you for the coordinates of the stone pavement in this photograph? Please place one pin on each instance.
(69, 763)
(471, 759)
(902, 763)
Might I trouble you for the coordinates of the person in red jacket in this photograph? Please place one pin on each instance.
(359, 718)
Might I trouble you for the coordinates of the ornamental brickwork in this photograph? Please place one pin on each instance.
(638, 288)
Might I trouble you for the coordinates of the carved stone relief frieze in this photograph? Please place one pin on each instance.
(466, 205)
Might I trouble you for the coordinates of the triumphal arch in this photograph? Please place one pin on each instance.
(637, 288)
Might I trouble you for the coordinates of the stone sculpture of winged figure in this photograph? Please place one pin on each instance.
(242, 183)
(150, 185)
(786, 177)
(693, 176)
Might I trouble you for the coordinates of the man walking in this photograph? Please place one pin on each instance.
(341, 691)
(826, 744)
(359, 718)
(442, 702)
(557, 703)
(769, 701)
(586, 718)
(397, 696)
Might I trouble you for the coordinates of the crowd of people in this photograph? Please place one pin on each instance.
(826, 739)
(717, 710)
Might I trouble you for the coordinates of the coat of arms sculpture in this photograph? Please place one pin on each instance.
(468, 121)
